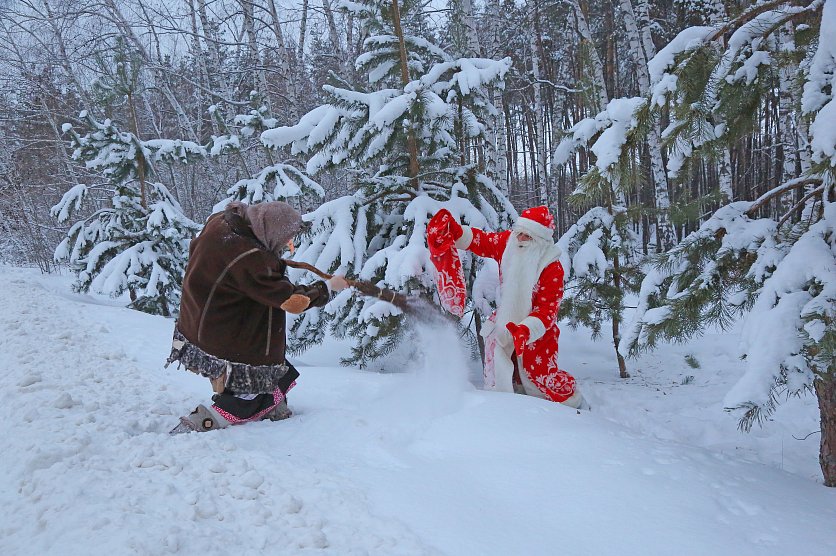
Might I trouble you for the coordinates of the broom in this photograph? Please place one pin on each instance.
(399, 300)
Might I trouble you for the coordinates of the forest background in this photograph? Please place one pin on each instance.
(686, 148)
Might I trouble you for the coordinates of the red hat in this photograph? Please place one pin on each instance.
(536, 222)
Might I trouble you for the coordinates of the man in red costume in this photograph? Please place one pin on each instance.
(521, 337)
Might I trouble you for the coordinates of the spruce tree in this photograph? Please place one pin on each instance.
(773, 269)
(137, 239)
(408, 139)
(601, 253)
(277, 180)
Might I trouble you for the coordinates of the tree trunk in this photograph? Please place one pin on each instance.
(411, 143)
(539, 133)
(497, 152)
(826, 393)
(284, 55)
(639, 41)
(616, 320)
(473, 47)
(786, 105)
(725, 171)
(303, 27)
(140, 157)
(480, 341)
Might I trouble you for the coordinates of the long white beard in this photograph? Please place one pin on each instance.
(521, 266)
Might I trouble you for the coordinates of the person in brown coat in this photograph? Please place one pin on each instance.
(231, 327)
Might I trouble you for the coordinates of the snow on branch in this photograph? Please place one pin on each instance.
(819, 91)
(785, 337)
(712, 275)
(609, 129)
(275, 182)
(69, 203)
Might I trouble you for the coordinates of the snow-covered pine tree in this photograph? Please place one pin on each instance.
(600, 251)
(709, 80)
(779, 273)
(277, 180)
(137, 238)
(599, 261)
(407, 139)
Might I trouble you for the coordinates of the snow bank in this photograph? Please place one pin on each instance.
(410, 463)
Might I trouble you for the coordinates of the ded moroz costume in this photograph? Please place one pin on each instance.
(521, 337)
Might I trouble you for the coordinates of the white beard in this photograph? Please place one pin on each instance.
(520, 269)
(521, 266)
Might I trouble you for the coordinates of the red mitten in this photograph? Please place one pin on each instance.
(520, 333)
(443, 228)
(442, 232)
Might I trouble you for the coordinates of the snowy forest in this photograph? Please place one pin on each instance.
(687, 149)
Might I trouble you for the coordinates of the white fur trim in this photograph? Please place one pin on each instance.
(466, 239)
(534, 229)
(503, 369)
(575, 401)
(536, 328)
(504, 338)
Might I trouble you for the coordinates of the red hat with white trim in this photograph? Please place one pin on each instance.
(536, 222)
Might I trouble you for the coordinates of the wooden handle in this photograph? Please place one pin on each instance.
(366, 288)
(312, 268)
(306, 266)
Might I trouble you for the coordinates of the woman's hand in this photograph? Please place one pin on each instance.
(337, 283)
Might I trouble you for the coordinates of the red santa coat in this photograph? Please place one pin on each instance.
(539, 355)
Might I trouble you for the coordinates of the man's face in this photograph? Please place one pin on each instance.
(523, 239)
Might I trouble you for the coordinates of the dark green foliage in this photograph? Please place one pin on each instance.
(595, 295)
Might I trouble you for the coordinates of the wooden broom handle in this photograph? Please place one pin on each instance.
(312, 268)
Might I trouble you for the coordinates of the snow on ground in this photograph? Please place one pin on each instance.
(413, 462)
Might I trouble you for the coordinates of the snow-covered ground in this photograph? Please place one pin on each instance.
(413, 462)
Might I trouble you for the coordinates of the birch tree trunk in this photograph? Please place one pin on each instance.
(540, 138)
(473, 47)
(253, 54)
(285, 64)
(303, 27)
(497, 155)
(640, 42)
(786, 100)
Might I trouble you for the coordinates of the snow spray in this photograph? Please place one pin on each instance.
(435, 378)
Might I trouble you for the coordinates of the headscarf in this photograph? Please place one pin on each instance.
(273, 224)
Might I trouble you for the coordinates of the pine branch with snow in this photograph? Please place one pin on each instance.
(710, 278)
(598, 258)
(405, 138)
(138, 243)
